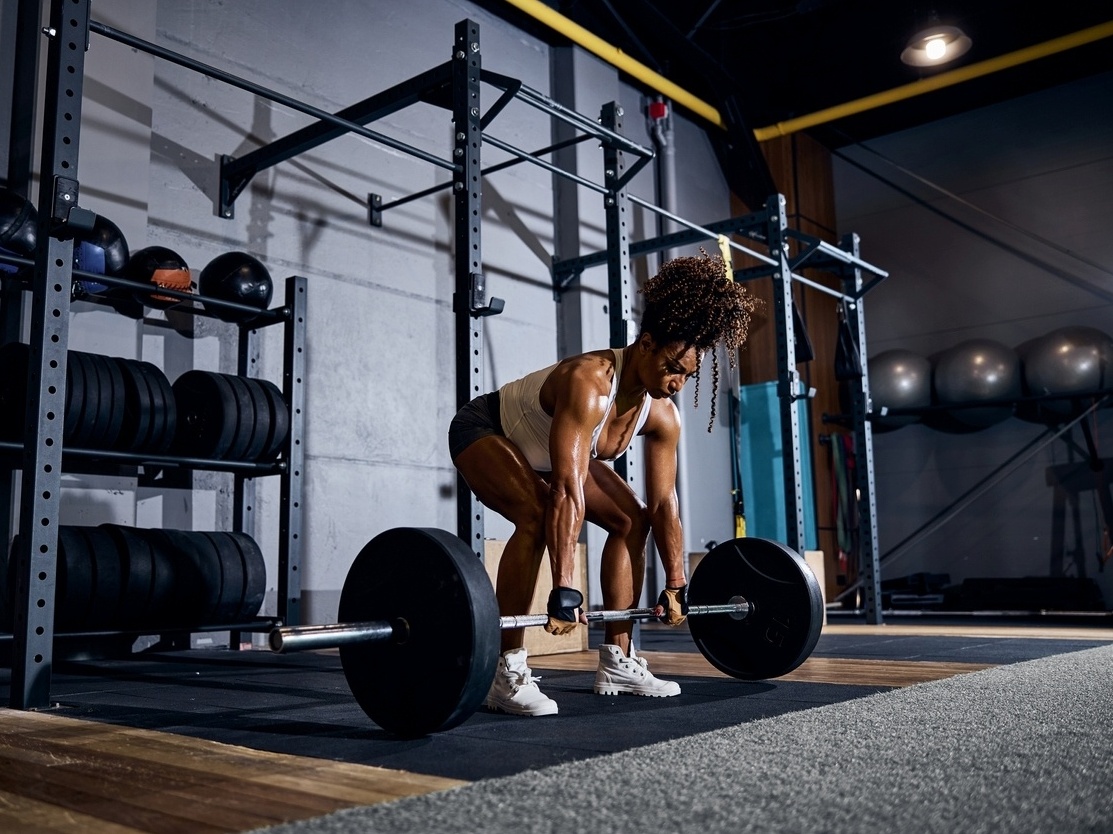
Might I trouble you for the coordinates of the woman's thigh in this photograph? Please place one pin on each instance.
(501, 478)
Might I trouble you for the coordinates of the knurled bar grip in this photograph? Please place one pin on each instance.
(287, 639)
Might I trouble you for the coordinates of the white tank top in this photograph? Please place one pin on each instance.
(527, 425)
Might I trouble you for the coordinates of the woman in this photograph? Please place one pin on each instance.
(535, 451)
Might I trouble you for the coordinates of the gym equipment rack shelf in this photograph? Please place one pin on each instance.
(51, 284)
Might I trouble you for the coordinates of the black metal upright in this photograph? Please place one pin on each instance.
(788, 378)
(36, 558)
(290, 532)
(469, 303)
(869, 560)
(620, 284)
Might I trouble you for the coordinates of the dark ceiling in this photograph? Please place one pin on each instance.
(768, 61)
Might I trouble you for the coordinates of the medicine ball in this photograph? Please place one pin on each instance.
(19, 226)
(162, 267)
(102, 251)
(239, 277)
(898, 379)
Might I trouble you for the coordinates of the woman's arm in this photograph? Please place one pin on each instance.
(662, 437)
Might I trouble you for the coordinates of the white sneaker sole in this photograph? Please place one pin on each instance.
(626, 689)
(495, 706)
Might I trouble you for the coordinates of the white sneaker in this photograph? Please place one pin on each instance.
(619, 675)
(514, 690)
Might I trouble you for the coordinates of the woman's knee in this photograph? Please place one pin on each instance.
(632, 525)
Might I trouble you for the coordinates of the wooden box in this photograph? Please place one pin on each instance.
(539, 641)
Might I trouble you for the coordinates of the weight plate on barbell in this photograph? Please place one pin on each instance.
(431, 581)
(783, 627)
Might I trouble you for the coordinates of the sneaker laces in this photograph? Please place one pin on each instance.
(525, 679)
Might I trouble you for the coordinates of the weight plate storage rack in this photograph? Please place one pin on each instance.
(58, 387)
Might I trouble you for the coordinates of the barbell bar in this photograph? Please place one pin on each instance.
(285, 639)
(419, 629)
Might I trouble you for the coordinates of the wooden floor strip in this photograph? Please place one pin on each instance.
(812, 670)
(67, 775)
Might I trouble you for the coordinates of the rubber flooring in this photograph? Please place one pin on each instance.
(301, 704)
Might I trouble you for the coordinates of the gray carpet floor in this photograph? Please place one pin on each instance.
(1026, 747)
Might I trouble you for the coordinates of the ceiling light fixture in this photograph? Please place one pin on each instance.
(935, 44)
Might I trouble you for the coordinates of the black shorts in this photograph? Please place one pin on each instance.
(479, 418)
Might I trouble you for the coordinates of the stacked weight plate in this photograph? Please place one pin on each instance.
(111, 402)
(115, 577)
(228, 417)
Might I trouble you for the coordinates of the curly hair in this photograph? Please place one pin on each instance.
(691, 300)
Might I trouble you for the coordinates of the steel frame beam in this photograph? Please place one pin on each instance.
(36, 556)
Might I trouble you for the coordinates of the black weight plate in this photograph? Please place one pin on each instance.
(171, 409)
(74, 590)
(781, 631)
(108, 579)
(280, 419)
(135, 425)
(138, 569)
(160, 403)
(196, 576)
(254, 575)
(231, 578)
(164, 602)
(14, 358)
(211, 570)
(184, 591)
(90, 399)
(75, 398)
(94, 418)
(245, 418)
(206, 408)
(431, 580)
(115, 406)
(261, 424)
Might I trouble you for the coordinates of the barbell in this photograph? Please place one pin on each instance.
(419, 625)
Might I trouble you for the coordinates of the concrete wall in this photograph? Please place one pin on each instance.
(381, 363)
(1029, 185)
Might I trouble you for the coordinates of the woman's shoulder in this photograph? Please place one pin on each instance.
(586, 374)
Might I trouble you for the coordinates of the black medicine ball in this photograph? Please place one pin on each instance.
(239, 277)
(107, 237)
(19, 223)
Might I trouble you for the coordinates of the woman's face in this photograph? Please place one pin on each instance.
(668, 366)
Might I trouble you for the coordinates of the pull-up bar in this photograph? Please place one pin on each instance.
(272, 95)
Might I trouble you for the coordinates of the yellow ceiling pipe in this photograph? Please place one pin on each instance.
(655, 81)
(938, 82)
(616, 57)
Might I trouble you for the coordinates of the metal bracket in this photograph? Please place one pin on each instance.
(478, 305)
(68, 217)
(375, 210)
